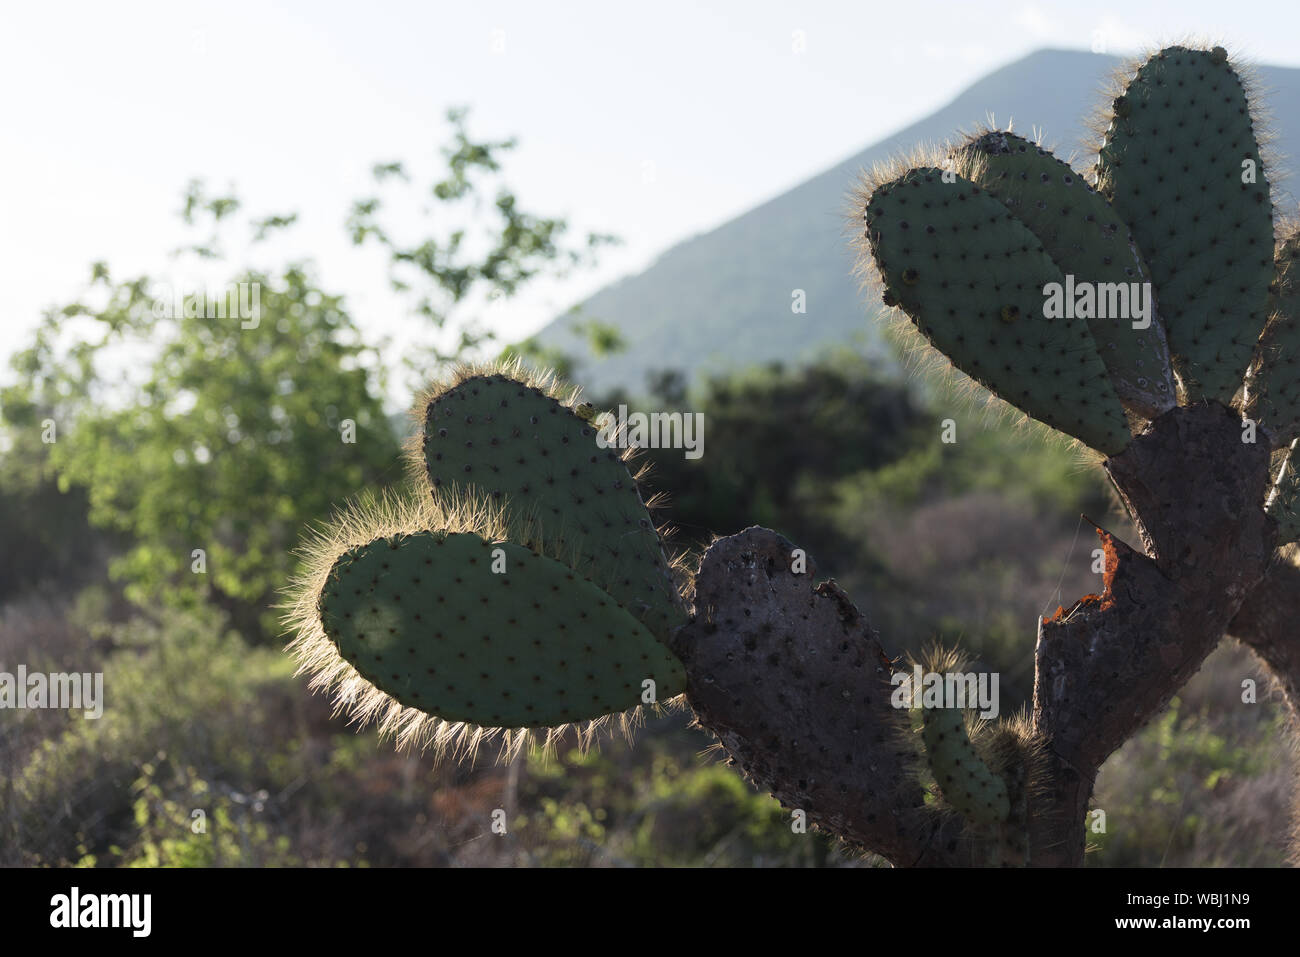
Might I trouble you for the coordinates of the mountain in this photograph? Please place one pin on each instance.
(722, 299)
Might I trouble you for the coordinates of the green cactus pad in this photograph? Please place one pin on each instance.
(1284, 499)
(426, 619)
(1171, 165)
(1273, 387)
(971, 278)
(520, 446)
(967, 783)
(1086, 239)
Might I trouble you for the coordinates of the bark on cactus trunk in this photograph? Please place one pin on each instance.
(792, 679)
(1268, 623)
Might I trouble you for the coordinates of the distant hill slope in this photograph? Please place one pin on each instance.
(722, 299)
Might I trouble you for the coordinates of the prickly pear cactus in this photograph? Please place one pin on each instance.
(987, 771)
(975, 244)
(1086, 238)
(1181, 164)
(523, 587)
(1273, 386)
(514, 441)
(966, 782)
(490, 633)
(970, 276)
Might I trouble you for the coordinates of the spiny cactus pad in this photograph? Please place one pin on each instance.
(521, 446)
(971, 278)
(1273, 386)
(1172, 166)
(426, 619)
(1086, 239)
(966, 782)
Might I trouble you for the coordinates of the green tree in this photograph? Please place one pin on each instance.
(495, 248)
(212, 460)
(847, 420)
(207, 436)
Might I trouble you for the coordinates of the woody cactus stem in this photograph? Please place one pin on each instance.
(793, 680)
(1266, 624)
(1104, 671)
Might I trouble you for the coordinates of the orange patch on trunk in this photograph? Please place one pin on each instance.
(1085, 600)
(1107, 598)
(1111, 567)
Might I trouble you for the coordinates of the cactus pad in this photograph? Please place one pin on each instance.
(1086, 239)
(519, 445)
(427, 619)
(966, 782)
(1172, 167)
(971, 278)
(1273, 386)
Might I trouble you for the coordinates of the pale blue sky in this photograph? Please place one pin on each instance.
(652, 120)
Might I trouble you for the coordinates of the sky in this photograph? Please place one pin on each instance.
(652, 121)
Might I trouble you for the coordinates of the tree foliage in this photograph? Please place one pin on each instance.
(207, 438)
(211, 459)
(493, 249)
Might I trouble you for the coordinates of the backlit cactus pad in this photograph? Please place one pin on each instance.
(535, 595)
(1096, 304)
